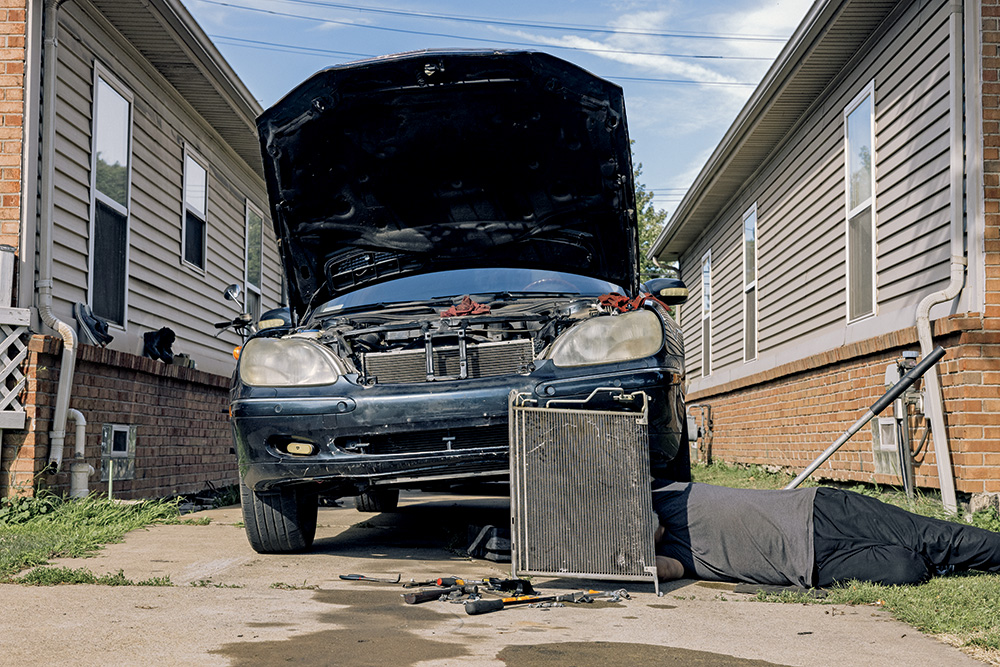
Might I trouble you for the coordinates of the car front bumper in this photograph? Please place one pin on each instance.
(418, 434)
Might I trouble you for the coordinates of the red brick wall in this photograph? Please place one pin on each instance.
(790, 415)
(184, 438)
(12, 35)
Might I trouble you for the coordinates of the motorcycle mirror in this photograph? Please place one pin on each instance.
(232, 292)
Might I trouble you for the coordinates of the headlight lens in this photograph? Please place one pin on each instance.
(276, 362)
(604, 340)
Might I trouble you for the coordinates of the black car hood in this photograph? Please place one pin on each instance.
(432, 161)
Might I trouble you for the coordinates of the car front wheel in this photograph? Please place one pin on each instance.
(377, 500)
(279, 521)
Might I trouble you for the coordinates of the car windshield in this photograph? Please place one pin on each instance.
(468, 281)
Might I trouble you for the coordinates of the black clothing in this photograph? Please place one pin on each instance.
(723, 534)
(857, 537)
(759, 537)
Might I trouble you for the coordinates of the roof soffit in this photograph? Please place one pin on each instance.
(828, 39)
(169, 38)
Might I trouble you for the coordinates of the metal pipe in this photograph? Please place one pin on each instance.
(57, 435)
(935, 400)
(80, 470)
(888, 397)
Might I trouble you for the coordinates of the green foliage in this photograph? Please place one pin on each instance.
(650, 225)
(282, 586)
(986, 518)
(58, 528)
(21, 509)
(53, 576)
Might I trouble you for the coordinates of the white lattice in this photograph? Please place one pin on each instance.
(13, 350)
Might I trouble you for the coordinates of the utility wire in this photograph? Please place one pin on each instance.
(309, 51)
(572, 27)
(352, 24)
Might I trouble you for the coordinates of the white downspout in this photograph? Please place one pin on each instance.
(933, 397)
(79, 469)
(57, 436)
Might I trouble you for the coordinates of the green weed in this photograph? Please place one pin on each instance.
(54, 576)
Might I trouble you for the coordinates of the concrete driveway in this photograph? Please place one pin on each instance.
(231, 606)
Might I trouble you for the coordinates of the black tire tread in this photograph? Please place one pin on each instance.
(377, 500)
(280, 521)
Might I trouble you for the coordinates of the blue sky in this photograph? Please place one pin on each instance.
(687, 66)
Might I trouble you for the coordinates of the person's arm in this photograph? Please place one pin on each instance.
(668, 569)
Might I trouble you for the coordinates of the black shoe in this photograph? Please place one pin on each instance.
(157, 344)
(92, 329)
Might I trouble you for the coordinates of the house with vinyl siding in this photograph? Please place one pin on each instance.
(132, 185)
(848, 213)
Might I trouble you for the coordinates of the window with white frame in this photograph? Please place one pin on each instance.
(254, 261)
(706, 313)
(110, 198)
(750, 284)
(859, 144)
(194, 232)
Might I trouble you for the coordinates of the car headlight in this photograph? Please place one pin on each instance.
(605, 340)
(291, 362)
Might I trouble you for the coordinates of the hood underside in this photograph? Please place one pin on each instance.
(434, 161)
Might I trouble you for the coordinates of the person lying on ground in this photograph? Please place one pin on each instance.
(810, 537)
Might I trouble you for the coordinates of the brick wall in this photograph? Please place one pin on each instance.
(184, 438)
(12, 35)
(789, 415)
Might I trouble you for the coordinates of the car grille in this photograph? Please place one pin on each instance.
(440, 440)
(482, 360)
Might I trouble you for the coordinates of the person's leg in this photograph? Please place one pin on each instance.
(845, 521)
(878, 563)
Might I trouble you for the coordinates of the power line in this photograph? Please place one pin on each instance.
(352, 24)
(572, 27)
(310, 51)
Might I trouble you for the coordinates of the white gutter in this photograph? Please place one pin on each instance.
(57, 435)
(933, 397)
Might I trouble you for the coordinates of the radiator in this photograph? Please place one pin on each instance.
(482, 360)
(580, 488)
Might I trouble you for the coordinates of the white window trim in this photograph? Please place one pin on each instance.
(103, 73)
(747, 286)
(707, 257)
(868, 91)
(258, 289)
(189, 153)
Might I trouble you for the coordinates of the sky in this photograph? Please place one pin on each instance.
(687, 66)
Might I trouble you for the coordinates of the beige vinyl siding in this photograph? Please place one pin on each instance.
(162, 291)
(800, 195)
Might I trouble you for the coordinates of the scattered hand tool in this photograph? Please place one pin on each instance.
(416, 597)
(474, 607)
(516, 586)
(365, 577)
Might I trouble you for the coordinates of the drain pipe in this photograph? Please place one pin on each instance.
(933, 396)
(79, 469)
(57, 436)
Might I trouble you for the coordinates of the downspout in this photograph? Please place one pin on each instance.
(933, 397)
(57, 436)
(79, 469)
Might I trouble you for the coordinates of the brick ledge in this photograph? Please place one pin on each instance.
(945, 326)
(43, 344)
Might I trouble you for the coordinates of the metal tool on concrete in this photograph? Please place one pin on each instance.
(888, 397)
(580, 487)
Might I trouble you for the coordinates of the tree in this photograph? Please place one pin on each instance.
(650, 225)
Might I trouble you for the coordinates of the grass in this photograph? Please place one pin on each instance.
(35, 530)
(961, 609)
(53, 576)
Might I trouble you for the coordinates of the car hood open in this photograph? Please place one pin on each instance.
(431, 161)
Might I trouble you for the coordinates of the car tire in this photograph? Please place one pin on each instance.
(377, 500)
(280, 521)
